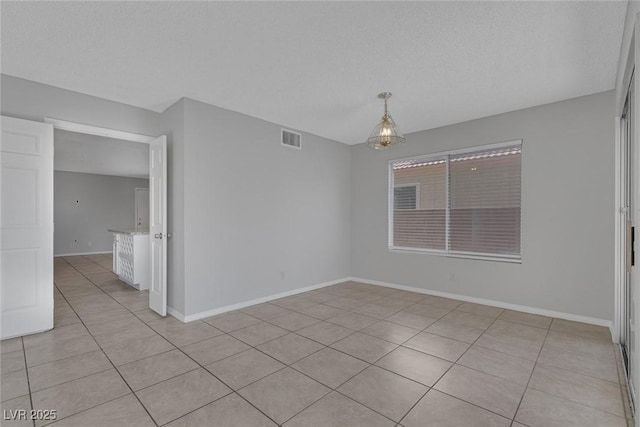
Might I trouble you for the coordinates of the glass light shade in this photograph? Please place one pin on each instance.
(385, 134)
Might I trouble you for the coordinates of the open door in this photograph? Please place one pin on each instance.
(158, 225)
(26, 240)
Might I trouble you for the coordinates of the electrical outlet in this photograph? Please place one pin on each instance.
(452, 276)
(73, 244)
(89, 244)
(282, 275)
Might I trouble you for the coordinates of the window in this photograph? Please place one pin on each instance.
(463, 202)
(405, 196)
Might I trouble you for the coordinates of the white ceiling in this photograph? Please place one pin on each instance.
(318, 66)
(78, 152)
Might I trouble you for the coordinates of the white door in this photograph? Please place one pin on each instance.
(26, 224)
(142, 208)
(158, 225)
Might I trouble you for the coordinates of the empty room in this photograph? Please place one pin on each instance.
(319, 213)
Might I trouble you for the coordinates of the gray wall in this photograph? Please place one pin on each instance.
(29, 100)
(260, 218)
(567, 211)
(103, 202)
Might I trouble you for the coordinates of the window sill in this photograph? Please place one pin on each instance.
(495, 258)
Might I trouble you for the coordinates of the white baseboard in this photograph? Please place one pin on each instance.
(232, 307)
(523, 308)
(82, 253)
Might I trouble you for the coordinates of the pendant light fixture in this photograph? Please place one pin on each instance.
(385, 134)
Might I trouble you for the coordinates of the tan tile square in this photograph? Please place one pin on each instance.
(593, 365)
(147, 315)
(391, 332)
(214, 349)
(180, 395)
(244, 368)
(582, 329)
(353, 321)
(81, 394)
(17, 404)
(124, 411)
(56, 334)
(500, 328)
(413, 297)
(293, 321)
(336, 410)
(230, 322)
(116, 326)
(489, 392)
(57, 350)
(259, 333)
(446, 411)
(152, 370)
(13, 384)
(284, 394)
(484, 310)
(290, 348)
(330, 367)
(323, 312)
(265, 311)
(10, 345)
(364, 347)
(501, 365)
(295, 303)
(11, 362)
(428, 310)
(526, 318)
(415, 365)
(182, 334)
(447, 303)
(377, 310)
(65, 370)
(137, 349)
(598, 394)
(325, 333)
(411, 320)
(230, 411)
(456, 331)
(579, 343)
(344, 303)
(539, 409)
(123, 335)
(444, 348)
(384, 392)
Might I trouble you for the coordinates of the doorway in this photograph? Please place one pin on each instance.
(156, 206)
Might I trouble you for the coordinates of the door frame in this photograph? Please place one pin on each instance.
(619, 210)
(109, 133)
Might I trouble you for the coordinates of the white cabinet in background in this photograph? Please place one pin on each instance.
(131, 257)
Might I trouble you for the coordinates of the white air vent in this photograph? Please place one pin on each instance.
(291, 139)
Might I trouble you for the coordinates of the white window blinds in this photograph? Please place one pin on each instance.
(462, 202)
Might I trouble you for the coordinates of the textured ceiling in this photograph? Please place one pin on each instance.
(79, 152)
(318, 66)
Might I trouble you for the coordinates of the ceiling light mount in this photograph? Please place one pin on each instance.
(386, 133)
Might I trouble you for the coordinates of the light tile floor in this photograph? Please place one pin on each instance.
(345, 355)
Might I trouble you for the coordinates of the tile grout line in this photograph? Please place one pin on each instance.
(526, 388)
(447, 371)
(99, 346)
(378, 320)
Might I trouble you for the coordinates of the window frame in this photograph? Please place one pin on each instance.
(447, 252)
